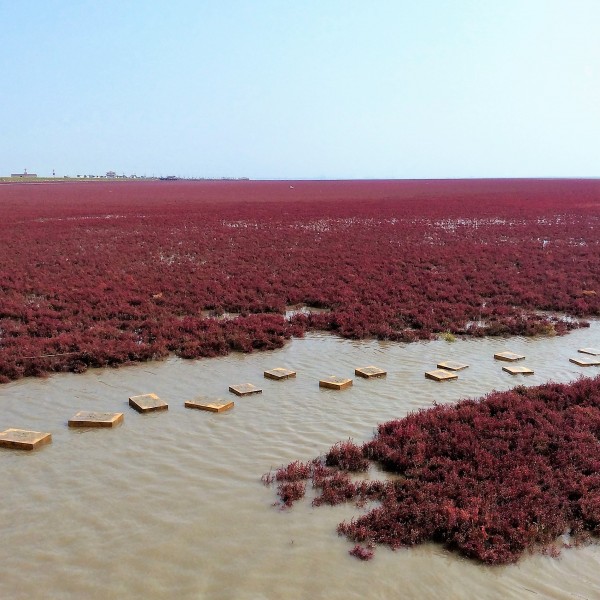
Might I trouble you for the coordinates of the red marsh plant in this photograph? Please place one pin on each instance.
(113, 273)
(490, 479)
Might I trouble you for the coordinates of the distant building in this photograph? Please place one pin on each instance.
(111, 174)
(23, 175)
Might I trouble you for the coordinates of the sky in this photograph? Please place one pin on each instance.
(311, 89)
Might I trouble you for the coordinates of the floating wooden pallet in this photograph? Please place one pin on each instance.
(586, 362)
(95, 419)
(518, 370)
(216, 407)
(370, 372)
(440, 375)
(592, 351)
(244, 389)
(22, 439)
(279, 373)
(147, 403)
(508, 356)
(450, 365)
(335, 383)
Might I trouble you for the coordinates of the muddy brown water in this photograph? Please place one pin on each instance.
(170, 505)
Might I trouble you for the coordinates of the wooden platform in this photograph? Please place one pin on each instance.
(592, 351)
(508, 356)
(335, 383)
(244, 389)
(279, 373)
(441, 375)
(450, 365)
(95, 419)
(147, 403)
(216, 407)
(370, 372)
(585, 362)
(518, 370)
(22, 439)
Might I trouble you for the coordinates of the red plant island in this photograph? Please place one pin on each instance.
(489, 478)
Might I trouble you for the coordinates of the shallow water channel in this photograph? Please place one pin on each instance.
(170, 504)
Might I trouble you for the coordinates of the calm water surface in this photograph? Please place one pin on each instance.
(170, 505)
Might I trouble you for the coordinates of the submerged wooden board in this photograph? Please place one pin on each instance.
(440, 375)
(335, 383)
(279, 373)
(22, 439)
(508, 356)
(518, 370)
(95, 419)
(147, 403)
(586, 362)
(370, 372)
(592, 351)
(216, 407)
(450, 365)
(244, 389)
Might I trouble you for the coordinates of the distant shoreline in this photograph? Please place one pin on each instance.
(38, 180)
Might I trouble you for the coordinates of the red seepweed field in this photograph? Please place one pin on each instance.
(106, 273)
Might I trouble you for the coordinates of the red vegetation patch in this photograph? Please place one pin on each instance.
(361, 553)
(487, 478)
(295, 471)
(289, 492)
(346, 456)
(101, 274)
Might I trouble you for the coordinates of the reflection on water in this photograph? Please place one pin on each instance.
(170, 504)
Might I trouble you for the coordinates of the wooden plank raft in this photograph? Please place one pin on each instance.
(508, 356)
(23, 439)
(244, 389)
(441, 375)
(147, 403)
(592, 351)
(335, 383)
(279, 373)
(370, 372)
(95, 419)
(585, 362)
(215, 407)
(518, 370)
(450, 365)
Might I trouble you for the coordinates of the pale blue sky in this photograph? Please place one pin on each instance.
(305, 89)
